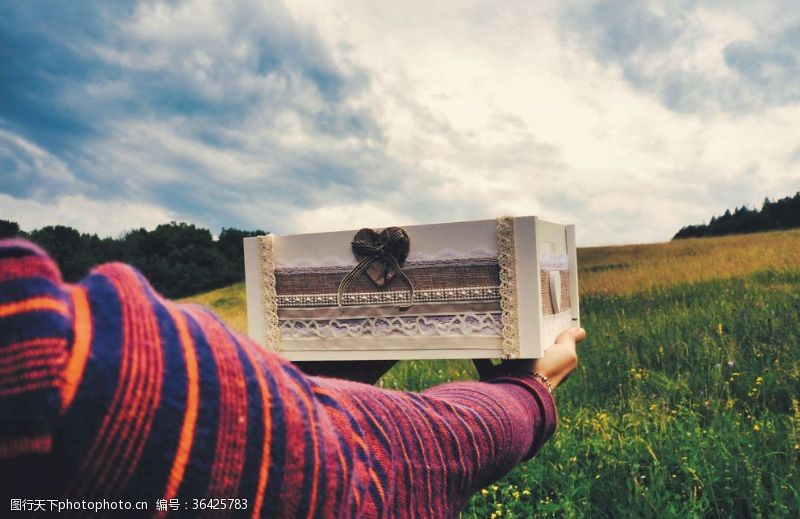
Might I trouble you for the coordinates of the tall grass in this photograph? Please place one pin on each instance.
(629, 269)
(686, 402)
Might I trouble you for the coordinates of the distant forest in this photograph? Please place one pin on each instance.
(179, 259)
(778, 214)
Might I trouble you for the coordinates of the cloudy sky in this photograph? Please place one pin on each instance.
(630, 119)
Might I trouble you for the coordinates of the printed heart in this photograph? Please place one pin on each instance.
(392, 241)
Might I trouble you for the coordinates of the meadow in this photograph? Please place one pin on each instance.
(686, 401)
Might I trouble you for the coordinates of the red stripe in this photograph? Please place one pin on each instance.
(130, 450)
(229, 454)
(473, 441)
(43, 380)
(119, 411)
(368, 428)
(35, 361)
(407, 459)
(409, 407)
(28, 267)
(336, 428)
(114, 452)
(300, 391)
(259, 366)
(16, 351)
(10, 447)
(457, 440)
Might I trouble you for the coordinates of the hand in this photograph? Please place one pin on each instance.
(558, 362)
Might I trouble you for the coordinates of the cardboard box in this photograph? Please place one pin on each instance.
(479, 289)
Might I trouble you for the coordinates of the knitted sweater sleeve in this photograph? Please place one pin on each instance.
(109, 391)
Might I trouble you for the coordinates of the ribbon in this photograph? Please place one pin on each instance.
(371, 253)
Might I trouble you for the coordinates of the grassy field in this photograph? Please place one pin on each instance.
(686, 402)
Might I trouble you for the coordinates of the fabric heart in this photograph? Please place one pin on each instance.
(387, 249)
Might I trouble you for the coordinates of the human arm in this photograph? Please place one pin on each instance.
(142, 398)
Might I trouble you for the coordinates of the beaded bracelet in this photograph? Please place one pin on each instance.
(544, 380)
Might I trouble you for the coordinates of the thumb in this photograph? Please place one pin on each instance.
(571, 335)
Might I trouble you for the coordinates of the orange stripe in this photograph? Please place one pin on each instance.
(266, 445)
(33, 304)
(192, 402)
(73, 373)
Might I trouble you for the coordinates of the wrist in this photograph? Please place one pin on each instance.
(543, 379)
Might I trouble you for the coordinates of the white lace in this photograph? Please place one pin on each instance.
(554, 261)
(508, 286)
(272, 333)
(407, 326)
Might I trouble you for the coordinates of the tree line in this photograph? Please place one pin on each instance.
(779, 214)
(179, 259)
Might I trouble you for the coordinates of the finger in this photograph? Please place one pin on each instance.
(571, 335)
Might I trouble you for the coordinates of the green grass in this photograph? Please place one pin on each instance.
(686, 403)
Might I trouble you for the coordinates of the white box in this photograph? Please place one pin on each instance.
(481, 289)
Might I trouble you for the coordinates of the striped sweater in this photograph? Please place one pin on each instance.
(109, 391)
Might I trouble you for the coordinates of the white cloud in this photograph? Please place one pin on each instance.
(30, 169)
(501, 114)
(101, 217)
(346, 216)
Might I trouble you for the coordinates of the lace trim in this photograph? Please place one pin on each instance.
(508, 286)
(488, 324)
(443, 295)
(272, 333)
(415, 259)
(554, 261)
